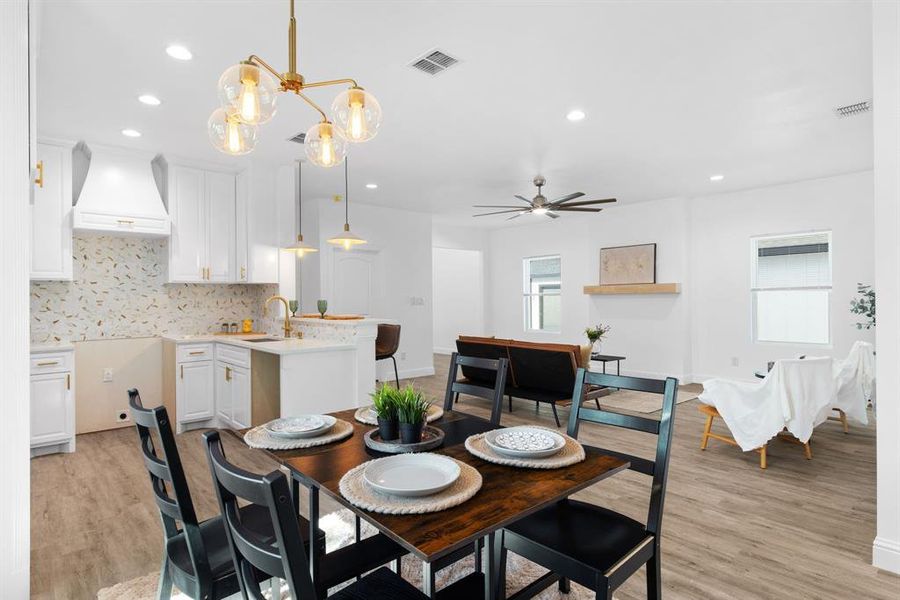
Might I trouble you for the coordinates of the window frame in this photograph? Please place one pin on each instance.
(527, 295)
(755, 289)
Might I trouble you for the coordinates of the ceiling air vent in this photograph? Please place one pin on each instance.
(434, 62)
(300, 138)
(853, 109)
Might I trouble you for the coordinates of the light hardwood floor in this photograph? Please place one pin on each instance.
(799, 530)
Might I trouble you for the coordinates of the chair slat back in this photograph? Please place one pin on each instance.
(495, 394)
(286, 558)
(657, 468)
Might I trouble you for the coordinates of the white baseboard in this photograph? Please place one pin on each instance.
(388, 374)
(886, 554)
(446, 351)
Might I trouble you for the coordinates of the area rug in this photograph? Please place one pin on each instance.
(339, 531)
(639, 402)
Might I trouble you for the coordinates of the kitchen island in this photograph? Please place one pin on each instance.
(240, 381)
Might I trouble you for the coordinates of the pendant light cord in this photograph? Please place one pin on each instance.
(346, 194)
(299, 199)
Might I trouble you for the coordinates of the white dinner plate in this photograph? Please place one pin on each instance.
(525, 442)
(301, 426)
(412, 474)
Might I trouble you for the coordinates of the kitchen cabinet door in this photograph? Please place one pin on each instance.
(51, 409)
(51, 215)
(187, 244)
(195, 391)
(242, 242)
(240, 397)
(223, 394)
(221, 213)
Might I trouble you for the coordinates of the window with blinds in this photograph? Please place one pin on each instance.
(542, 286)
(791, 288)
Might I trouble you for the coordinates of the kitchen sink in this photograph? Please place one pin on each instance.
(265, 339)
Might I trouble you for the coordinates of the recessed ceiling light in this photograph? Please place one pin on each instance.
(372, 186)
(133, 133)
(149, 100)
(716, 177)
(179, 52)
(576, 115)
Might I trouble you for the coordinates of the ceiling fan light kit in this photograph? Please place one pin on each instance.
(248, 93)
(540, 206)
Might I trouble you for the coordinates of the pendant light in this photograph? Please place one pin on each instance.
(346, 238)
(248, 93)
(300, 247)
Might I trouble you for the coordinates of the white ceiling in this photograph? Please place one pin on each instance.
(674, 92)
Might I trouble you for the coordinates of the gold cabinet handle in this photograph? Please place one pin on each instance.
(125, 222)
(68, 381)
(197, 353)
(182, 371)
(227, 373)
(243, 273)
(48, 363)
(40, 178)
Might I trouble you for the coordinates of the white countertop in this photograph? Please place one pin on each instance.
(341, 322)
(57, 347)
(278, 346)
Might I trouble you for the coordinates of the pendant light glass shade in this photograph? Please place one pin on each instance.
(249, 92)
(301, 247)
(358, 113)
(325, 145)
(229, 135)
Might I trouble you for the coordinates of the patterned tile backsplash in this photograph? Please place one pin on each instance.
(120, 291)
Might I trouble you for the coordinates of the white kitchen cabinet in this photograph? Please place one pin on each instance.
(240, 397)
(223, 394)
(194, 392)
(52, 403)
(51, 214)
(256, 231)
(233, 394)
(202, 205)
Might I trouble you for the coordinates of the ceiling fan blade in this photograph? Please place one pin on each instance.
(568, 197)
(551, 215)
(500, 212)
(567, 209)
(586, 202)
(523, 199)
(517, 216)
(498, 206)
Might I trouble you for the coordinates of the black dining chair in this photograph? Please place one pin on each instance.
(591, 545)
(196, 557)
(495, 368)
(387, 342)
(282, 555)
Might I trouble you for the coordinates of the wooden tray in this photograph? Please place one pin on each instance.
(432, 437)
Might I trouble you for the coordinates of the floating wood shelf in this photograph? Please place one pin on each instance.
(634, 288)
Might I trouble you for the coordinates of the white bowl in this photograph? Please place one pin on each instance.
(412, 474)
(301, 426)
(524, 442)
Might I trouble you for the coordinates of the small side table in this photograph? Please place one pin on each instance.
(607, 358)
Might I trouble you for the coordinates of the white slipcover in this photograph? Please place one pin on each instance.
(855, 377)
(796, 395)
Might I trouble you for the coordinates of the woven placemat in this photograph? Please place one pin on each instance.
(259, 437)
(355, 489)
(364, 414)
(571, 453)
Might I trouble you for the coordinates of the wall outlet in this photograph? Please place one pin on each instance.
(107, 375)
(416, 301)
(122, 416)
(735, 361)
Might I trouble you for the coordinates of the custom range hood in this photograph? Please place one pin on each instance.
(119, 192)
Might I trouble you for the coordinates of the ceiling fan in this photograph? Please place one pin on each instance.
(539, 205)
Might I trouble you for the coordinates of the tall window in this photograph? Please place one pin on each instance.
(791, 287)
(542, 287)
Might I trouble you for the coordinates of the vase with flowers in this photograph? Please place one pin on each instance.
(595, 336)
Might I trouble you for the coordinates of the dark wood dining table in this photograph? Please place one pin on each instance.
(507, 493)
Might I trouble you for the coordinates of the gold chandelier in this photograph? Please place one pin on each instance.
(248, 93)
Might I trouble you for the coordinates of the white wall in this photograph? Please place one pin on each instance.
(886, 38)
(15, 169)
(458, 290)
(403, 242)
(703, 244)
(721, 228)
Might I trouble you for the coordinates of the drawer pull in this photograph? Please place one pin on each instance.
(48, 363)
(124, 222)
(182, 371)
(68, 381)
(197, 353)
